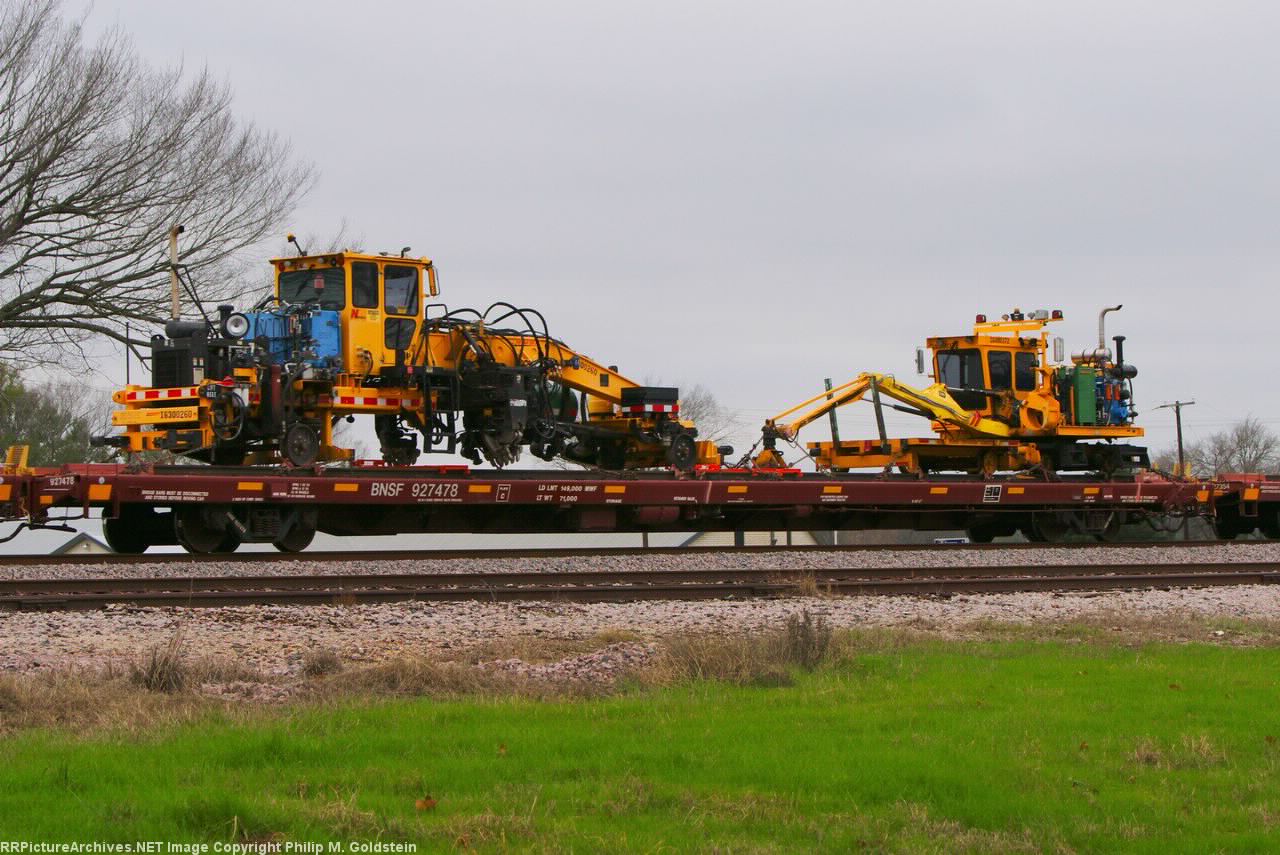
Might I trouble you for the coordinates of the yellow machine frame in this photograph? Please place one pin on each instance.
(148, 415)
(999, 425)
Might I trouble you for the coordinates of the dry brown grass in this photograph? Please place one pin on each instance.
(947, 835)
(426, 678)
(342, 817)
(169, 669)
(84, 701)
(1147, 752)
(163, 668)
(614, 635)
(526, 649)
(318, 663)
(807, 640)
(1130, 629)
(1198, 751)
(758, 659)
(488, 830)
(753, 660)
(162, 687)
(166, 684)
(1193, 751)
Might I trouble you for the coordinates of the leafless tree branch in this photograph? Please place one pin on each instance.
(1247, 446)
(99, 157)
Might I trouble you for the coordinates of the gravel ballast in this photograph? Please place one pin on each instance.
(276, 639)
(817, 559)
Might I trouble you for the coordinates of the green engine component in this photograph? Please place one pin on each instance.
(1084, 394)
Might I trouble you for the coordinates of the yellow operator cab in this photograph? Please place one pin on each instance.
(379, 299)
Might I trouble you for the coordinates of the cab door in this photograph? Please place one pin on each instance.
(364, 354)
(402, 308)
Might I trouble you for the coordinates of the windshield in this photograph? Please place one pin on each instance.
(960, 369)
(324, 285)
(1000, 369)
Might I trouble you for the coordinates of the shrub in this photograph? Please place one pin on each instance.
(164, 669)
(807, 641)
(317, 663)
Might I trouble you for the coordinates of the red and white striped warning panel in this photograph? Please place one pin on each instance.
(163, 394)
(644, 409)
(361, 401)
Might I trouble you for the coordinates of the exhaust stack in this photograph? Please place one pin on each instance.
(175, 310)
(1102, 325)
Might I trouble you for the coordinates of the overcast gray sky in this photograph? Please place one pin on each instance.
(757, 196)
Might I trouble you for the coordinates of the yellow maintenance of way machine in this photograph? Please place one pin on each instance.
(350, 333)
(997, 403)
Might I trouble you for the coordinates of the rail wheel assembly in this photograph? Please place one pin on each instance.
(298, 531)
(199, 532)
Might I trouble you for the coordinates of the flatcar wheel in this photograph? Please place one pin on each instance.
(229, 543)
(980, 534)
(125, 535)
(1270, 525)
(989, 530)
(1227, 527)
(194, 532)
(1048, 528)
(1110, 532)
(299, 538)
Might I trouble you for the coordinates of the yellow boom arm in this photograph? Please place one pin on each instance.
(934, 402)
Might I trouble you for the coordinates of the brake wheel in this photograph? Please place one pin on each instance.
(301, 445)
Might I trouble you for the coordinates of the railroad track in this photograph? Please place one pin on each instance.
(581, 552)
(613, 586)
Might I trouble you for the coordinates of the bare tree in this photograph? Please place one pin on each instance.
(99, 157)
(698, 404)
(715, 422)
(1247, 446)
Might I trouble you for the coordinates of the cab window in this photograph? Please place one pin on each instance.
(398, 333)
(326, 286)
(364, 285)
(1000, 370)
(959, 371)
(400, 290)
(1024, 371)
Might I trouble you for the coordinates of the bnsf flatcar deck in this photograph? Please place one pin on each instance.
(211, 509)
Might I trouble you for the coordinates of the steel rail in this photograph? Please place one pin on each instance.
(587, 586)
(579, 552)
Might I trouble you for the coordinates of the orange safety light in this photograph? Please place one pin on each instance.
(982, 319)
(1057, 314)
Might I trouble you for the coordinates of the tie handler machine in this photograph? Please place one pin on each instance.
(349, 334)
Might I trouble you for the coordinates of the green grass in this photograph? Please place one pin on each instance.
(1009, 746)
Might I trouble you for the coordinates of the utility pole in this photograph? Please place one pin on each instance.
(1177, 419)
(1182, 465)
